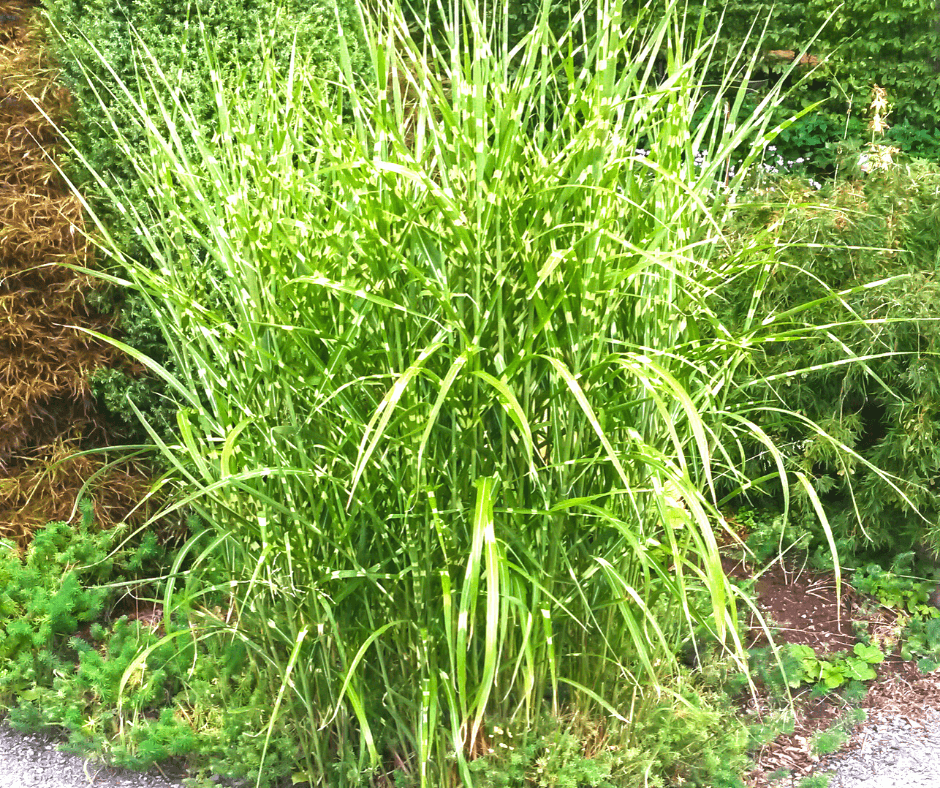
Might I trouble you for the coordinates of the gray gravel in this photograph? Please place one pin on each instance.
(894, 753)
(34, 762)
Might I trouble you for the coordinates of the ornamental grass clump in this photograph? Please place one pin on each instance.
(453, 404)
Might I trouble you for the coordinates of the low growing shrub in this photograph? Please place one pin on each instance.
(71, 646)
(692, 737)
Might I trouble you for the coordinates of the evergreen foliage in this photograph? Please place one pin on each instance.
(90, 33)
(71, 646)
(849, 48)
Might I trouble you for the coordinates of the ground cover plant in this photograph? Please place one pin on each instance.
(77, 608)
(454, 408)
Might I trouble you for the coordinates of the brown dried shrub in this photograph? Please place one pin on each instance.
(26, 166)
(42, 488)
(40, 226)
(47, 410)
(26, 68)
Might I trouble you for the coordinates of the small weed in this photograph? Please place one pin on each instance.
(855, 716)
(854, 692)
(816, 781)
(819, 691)
(830, 740)
(773, 725)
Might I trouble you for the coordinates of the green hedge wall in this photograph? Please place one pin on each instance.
(169, 29)
(85, 32)
(867, 42)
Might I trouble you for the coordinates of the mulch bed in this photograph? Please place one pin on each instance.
(804, 609)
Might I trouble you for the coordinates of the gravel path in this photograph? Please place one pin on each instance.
(897, 753)
(34, 762)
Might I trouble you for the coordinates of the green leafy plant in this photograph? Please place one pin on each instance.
(920, 640)
(897, 591)
(913, 597)
(798, 664)
(458, 410)
(839, 667)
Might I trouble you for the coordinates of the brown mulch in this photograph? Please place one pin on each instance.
(803, 607)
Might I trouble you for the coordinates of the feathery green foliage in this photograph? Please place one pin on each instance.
(879, 226)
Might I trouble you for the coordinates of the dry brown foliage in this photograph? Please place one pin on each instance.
(44, 490)
(47, 411)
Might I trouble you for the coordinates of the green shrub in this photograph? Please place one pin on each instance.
(897, 587)
(553, 752)
(118, 30)
(697, 739)
(831, 739)
(118, 688)
(52, 593)
(880, 227)
(816, 781)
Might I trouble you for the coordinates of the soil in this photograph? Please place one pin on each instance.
(805, 609)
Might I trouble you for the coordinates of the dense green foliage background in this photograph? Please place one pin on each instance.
(94, 32)
(102, 42)
(860, 43)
